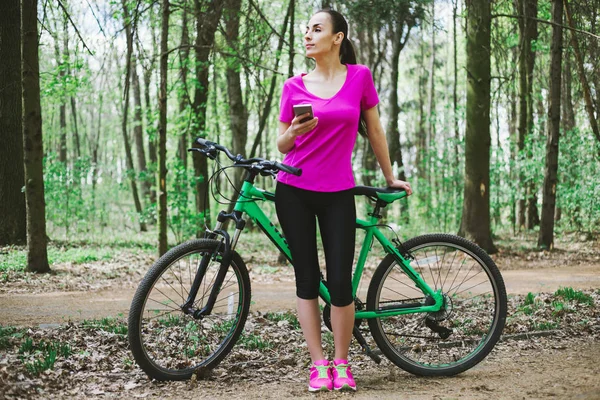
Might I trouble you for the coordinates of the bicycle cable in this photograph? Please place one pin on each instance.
(214, 187)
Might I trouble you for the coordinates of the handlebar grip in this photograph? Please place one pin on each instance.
(289, 169)
(204, 142)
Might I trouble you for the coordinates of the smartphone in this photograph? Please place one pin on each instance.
(300, 109)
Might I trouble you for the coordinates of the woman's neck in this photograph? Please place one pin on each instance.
(328, 67)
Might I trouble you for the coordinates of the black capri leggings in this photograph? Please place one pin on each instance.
(296, 211)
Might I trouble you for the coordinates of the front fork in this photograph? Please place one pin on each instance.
(226, 256)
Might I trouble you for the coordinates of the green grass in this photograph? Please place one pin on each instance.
(254, 342)
(559, 308)
(529, 299)
(283, 316)
(6, 333)
(171, 320)
(43, 355)
(38, 366)
(545, 326)
(570, 294)
(27, 346)
(15, 258)
(107, 324)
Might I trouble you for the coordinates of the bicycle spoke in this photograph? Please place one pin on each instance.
(174, 342)
(441, 342)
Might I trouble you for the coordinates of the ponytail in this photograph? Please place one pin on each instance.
(347, 53)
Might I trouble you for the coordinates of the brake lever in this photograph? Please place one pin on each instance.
(208, 151)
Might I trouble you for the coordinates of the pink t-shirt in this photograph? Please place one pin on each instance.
(325, 153)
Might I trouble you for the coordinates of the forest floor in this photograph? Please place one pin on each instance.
(82, 307)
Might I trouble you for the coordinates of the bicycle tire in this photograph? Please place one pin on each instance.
(473, 316)
(169, 344)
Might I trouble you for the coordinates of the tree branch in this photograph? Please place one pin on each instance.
(75, 27)
(225, 53)
(253, 4)
(543, 21)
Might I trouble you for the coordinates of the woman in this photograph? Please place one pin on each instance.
(341, 94)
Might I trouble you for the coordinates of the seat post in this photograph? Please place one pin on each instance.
(379, 204)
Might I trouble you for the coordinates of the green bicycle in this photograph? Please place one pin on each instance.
(435, 306)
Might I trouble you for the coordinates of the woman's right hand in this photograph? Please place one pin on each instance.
(298, 128)
(288, 132)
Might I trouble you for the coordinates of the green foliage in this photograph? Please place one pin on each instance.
(41, 357)
(6, 333)
(78, 208)
(578, 167)
(577, 296)
(529, 299)
(108, 324)
(530, 304)
(284, 316)
(16, 258)
(254, 342)
(545, 325)
(183, 220)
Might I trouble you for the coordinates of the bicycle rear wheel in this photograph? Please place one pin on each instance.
(169, 344)
(468, 326)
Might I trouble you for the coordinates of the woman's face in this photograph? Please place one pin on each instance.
(319, 37)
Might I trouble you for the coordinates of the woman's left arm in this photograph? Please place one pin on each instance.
(376, 137)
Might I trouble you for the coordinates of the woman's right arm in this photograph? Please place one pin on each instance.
(289, 131)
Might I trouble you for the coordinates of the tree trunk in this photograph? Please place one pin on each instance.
(546, 235)
(587, 96)
(95, 145)
(393, 134)
(67, 60)
(532, 219)
(138, 129)
(262, 123)
(62, 71)
(431, 117)
(567, 110)
(421, 156)
(513, 134)
(37, 255)
(528, 33)
(162, 131)
(12, 174)
(476, 204)
(292, 38)
(128, 155)
(238, 115)
(184, 99)
(150, 127)
(206, 25)
(455, 87)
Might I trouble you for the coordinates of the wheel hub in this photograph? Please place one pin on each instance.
(445, 311)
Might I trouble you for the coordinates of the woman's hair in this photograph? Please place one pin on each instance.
(347, 53)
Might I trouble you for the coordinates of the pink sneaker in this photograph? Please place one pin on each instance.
(342, 376)
(320, 377)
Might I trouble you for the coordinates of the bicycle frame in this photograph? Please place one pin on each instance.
(246, 203)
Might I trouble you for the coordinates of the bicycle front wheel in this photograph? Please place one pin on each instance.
(470, 322)
(169, 344)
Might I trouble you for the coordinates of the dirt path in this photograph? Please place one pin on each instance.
(554, 367)
(59, 307)
(567, 371)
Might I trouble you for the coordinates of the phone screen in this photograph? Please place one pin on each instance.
(300, 109)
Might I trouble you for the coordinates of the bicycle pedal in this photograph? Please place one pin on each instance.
(374, 356)
(366, 348)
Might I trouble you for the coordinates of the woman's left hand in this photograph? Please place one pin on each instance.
(398, 184)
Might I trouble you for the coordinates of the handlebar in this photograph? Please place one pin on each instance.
(209, 149)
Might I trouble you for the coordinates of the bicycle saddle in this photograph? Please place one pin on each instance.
(376, 193)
